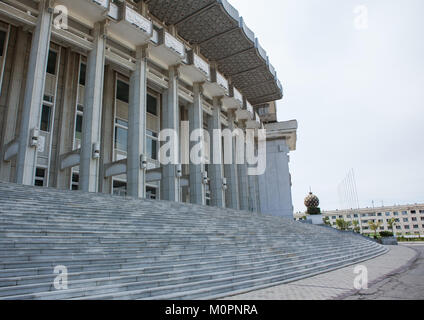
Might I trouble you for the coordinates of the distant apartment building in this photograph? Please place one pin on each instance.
(409, 218)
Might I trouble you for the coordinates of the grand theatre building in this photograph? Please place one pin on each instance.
(88, 85)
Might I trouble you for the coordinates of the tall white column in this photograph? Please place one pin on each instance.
(136, 178)
(89, 165)
(253, 192)
(253, 198)
(216, 168)
(243, 180)
(231, 172)
(34, 92)
(13, 99)
(170, 189)
(195, 114)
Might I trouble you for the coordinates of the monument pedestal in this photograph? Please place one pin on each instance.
(316, 219)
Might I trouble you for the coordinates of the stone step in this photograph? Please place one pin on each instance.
(140, 289)
(116, 248)
(149, 272)
(222, 258)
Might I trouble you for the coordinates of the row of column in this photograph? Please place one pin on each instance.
(241, 192)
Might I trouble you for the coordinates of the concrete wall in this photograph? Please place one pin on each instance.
(275, 185)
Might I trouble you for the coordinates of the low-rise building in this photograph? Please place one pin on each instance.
(409, 219)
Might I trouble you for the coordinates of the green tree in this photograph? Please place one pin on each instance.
(391, 223)
(374, 226)
(343, 224)
(356, 226)
(327, 222)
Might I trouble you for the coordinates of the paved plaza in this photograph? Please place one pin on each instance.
(399, 274)
(405, 285)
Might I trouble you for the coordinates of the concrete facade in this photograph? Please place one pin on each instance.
(83, 107)
(275, 184)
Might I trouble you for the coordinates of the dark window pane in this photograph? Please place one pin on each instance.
(119, 188)
(78, 127)
(121, 138)
(51, 63)
(122, 91)
(152, 106)
(45, 119)
(152, 151)
(151, 193)
(83, 70)
(39, 183)
(40, 173)
(2, 42)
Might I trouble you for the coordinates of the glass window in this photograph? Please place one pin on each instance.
(78, 127)
(83, 70)
(152, 148)
(75, 181)
(40, 175)
(51, 63)
(151, 193)
(387, 214)
(2, 41)
(396, 213)
(407, 227)
(404, 213)
(405, 219)
(119, 188)
(121, 138)
(122, 91)
(413, 211)
(152, 105)
(380, 214)
(45, 118)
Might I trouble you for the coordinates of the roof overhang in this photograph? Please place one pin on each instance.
(223, 37)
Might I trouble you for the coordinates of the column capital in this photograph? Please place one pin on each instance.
(101, 28)
(176, 69)
(200, 86)
(48, 5)
(217, 101)
(142, 51)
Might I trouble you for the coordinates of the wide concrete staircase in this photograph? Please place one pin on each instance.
(116, 248)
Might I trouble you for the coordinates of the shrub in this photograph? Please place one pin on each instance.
(386, 234)
(314, 211)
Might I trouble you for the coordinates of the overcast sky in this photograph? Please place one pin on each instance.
(358, 94)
